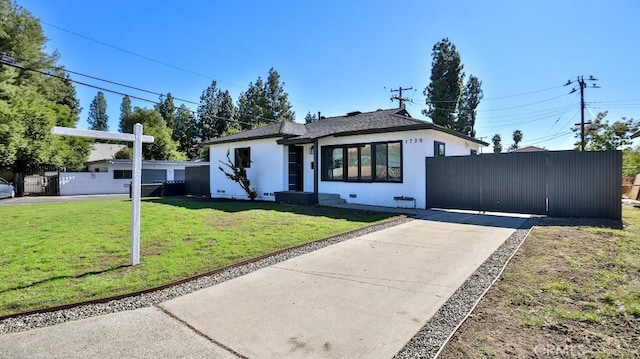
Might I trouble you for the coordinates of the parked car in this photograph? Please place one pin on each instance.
(6, 189)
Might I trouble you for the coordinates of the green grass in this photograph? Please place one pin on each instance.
(54, 254)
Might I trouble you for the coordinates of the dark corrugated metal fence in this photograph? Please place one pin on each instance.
(558, 184)
(197, 181)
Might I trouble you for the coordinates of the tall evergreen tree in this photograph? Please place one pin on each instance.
(471, 97)
(278, 104)
(226, 112)
(98, 119)
(167, 109)
(208, 113)
(125, 125)
(187, 133)
(309, 118)
(445, 89)
(264, 103)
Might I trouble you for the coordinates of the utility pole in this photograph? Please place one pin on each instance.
(399, 97)
(582, 84)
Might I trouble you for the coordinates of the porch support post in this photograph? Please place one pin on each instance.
(316, 164)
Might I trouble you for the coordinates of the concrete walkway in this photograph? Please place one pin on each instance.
(361, 298)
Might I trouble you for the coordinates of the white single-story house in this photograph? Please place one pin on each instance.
(372, 158)
(114, 176)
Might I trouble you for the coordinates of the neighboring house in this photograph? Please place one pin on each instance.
(113, 176)
(373, 158)
(530, 149)
(103, 151)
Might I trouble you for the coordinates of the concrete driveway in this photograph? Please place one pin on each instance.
(59, 199)
(362, 298)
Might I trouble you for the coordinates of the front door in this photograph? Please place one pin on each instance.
(295, 168)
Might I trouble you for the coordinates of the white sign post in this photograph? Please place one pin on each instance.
(138, 139)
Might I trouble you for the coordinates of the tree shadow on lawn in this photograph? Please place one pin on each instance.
(234, 206)
(77, 276)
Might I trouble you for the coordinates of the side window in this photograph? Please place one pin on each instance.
(122, 174)
(242, 157)
(474, 152)
(438, 149)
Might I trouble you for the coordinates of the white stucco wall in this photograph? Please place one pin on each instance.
(77, 183)
(416, 145)
(109, 167)
(267, 172)
(102, 181)
(269, 168)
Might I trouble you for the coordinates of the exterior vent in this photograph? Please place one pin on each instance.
(349, 114)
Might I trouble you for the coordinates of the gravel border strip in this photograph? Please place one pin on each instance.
(437, 332)
(22, 323)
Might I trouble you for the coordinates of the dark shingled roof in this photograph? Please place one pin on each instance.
(354, 123)
(275, 130)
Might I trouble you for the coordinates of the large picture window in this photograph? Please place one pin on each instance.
(367, 162)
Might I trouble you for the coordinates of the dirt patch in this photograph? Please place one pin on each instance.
(572, 290)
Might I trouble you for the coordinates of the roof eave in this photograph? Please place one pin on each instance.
(230, 140)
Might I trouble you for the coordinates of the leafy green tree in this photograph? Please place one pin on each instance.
(497, 143)
(445, 89)
(631, 161)
(471, 97)
(309, 118)
(163, 147)
(125, 125)
(98, 119)
(600, 135)
(517, 137)
(31, 103)
(126, 153)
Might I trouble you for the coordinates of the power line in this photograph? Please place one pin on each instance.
(523, 93)
(507, 108)
(154, 60)
(229, 120)
(109, 81)
(137, 54)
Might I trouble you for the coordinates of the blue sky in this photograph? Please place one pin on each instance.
(337, 57)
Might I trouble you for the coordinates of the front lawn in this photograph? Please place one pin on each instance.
(61, 253)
